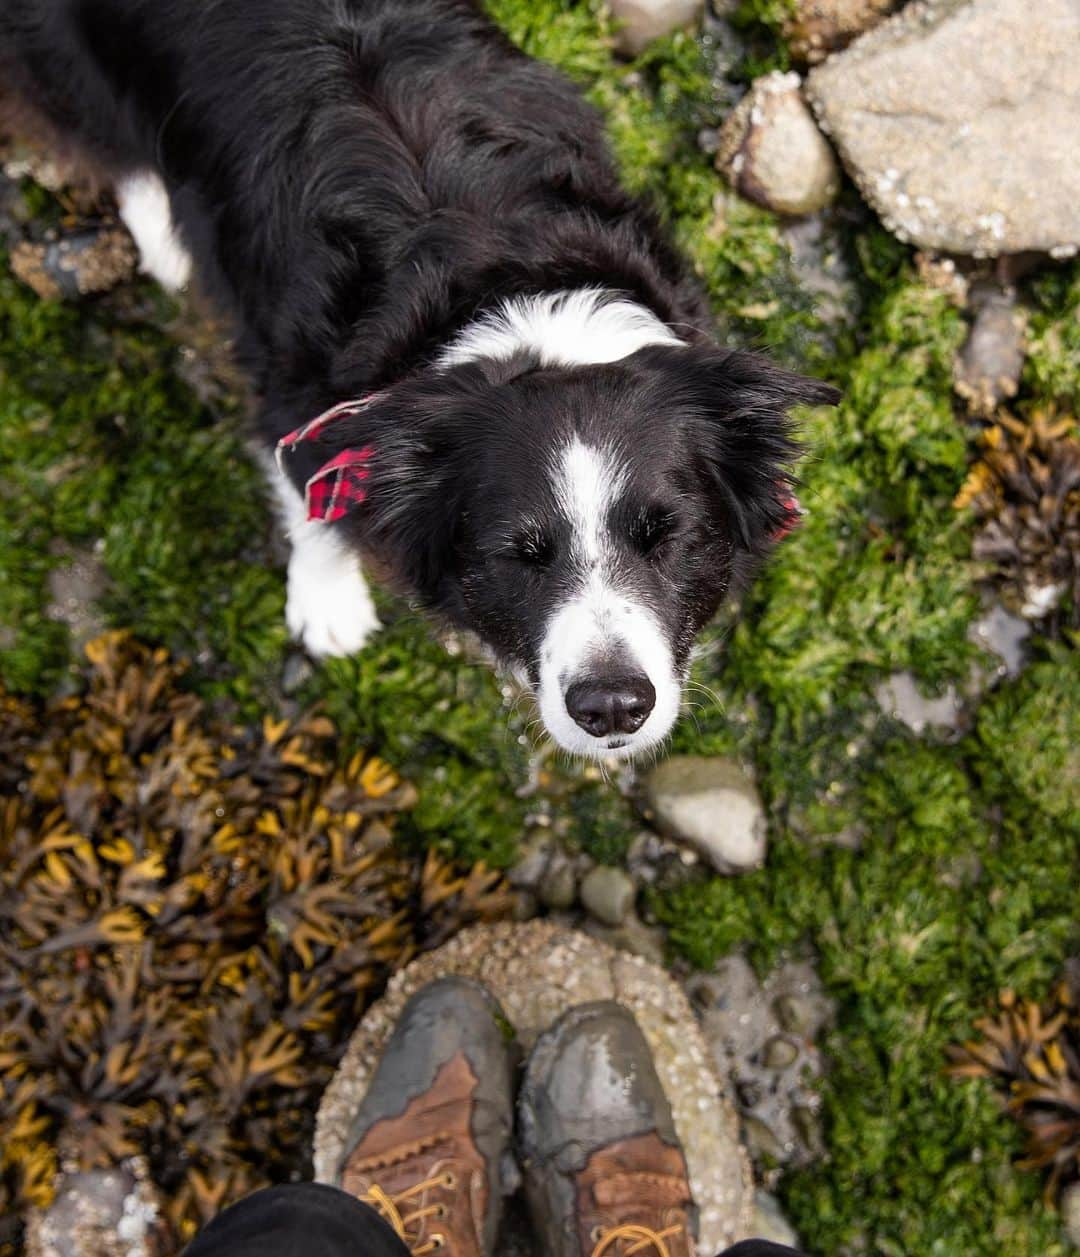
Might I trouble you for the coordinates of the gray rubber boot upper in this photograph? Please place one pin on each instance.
(590, 1083)
(448, 1018)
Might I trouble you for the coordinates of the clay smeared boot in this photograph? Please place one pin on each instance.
(428, 1146)
(604, 1171)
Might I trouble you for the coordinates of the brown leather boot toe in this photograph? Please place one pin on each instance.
(428, 1145)
(604, 1171)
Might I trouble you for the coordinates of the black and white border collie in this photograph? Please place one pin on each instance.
(487, 374)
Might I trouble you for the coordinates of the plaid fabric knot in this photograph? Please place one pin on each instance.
(338, 485)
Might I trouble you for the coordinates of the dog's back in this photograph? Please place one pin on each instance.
(344, 163)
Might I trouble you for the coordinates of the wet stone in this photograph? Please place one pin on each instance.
(558, 886)
(957, 118)
(633, 936)
(90, 260)
(1003, 634)
(814, 28)
(101, 1213)
(763, 1033)
(770, 1222)
(536, 854)
(779, 1053)
(797, 1015)
(712, 804)
(771, 151)
(987, 369)
(639, 22)
(1069, 1205)
(762, 1140)
(298, 670)
(899, 696)
(608, 893)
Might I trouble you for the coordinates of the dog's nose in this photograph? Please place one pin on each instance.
(611, 705)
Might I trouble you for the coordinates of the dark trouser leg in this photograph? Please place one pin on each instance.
(301, 1220)
(759, 1248)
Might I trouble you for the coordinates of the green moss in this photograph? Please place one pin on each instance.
(104, 446)
(1028, 739)
(1052, 369)
(953, 895)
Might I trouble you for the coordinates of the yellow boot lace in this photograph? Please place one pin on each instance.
(390, 1207)
(638, 1237)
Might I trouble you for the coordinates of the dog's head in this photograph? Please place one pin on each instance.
(585, 521)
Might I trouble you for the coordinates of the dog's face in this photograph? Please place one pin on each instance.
(586, 522)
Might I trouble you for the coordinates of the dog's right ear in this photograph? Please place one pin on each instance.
(389, 472)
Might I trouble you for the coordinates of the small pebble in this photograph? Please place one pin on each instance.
(796, 1015)
(761, 1141)
(1070, 1213)
(558, 886)
(779, 1053)
(608, 893)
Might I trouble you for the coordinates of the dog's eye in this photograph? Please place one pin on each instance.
(651, 528)
(535, 548)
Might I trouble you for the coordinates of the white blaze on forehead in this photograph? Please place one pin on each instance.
(599, 624)
(587, 483)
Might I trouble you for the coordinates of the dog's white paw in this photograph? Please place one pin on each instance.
(329, 607)
(144, 207)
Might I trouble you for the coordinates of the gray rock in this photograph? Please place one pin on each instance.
(771, 150)
(711, 803)
(1003, 634)
(1070, 1213)
(297, 672)
(76, 587)
(608, 893)
(779, 1053)
(102, 1212)
(808, 1128)
(90, 259)
(900, 697)
(797, 1015)
(762, 1140)
(987, 369)
(536, 853)
(817, 243)
(526, 905)
(558, 886)
(958, 119)
(769, 1222)
(642, 21)
(762, 1034)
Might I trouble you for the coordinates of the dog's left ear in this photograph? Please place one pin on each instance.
(739, 411)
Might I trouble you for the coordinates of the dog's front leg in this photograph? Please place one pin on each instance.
(328, 605)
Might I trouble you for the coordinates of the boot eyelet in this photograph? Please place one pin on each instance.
(438, 1241)
(596, 1234)
(440, 1212)
(450, 1180)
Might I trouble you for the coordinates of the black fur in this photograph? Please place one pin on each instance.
(357, 180)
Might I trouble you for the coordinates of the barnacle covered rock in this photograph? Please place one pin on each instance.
(1032, 1052)
(814, 28)
(192, 917)
(1025, 492)
(91, 259)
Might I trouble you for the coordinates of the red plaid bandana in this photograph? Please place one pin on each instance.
(793, 516)
(338, 485)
